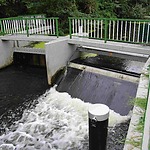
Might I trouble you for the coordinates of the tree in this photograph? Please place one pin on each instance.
(87, 6)
(10, 8)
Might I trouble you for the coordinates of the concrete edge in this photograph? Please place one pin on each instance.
(146, 134)
(133, 135)
(58, 53)
(105, 72)
(116, 46)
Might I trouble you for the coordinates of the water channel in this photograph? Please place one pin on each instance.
(35, 116)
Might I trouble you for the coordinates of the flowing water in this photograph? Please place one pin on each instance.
(19, 86)
(97, 88)
(35, 116)
(58, 121)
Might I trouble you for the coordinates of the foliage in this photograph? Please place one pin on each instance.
(40, 45)
(67, 8)
(63, 8)
(10, 8)
(142, 103)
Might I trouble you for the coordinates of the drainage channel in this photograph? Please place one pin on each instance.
(59, 120)
(99, 83)
(93, 86)
(114, 90)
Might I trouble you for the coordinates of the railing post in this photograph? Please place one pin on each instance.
(70, 30)
(26, 26)
(2, 32)
(57, 30)
(106, 30)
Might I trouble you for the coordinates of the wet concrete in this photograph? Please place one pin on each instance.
(124, 66)
(96, 88)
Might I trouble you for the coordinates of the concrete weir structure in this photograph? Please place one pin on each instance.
(60, 51)
(6, 53)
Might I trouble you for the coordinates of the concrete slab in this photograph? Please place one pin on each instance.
(19, 37)
(111, 46)
(29, 50)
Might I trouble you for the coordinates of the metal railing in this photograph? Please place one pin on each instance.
(29, 26)
(120, 30)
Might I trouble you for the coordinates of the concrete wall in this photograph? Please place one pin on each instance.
(133, 135)
(6, 53)
(58, 53)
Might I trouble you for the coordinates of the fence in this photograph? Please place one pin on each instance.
(123, 30)
(29, 26)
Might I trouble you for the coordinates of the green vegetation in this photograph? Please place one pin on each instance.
(70, 8)
(36, 45)
(141, 103)
(85, 55)
(135, 143)
(39, 45)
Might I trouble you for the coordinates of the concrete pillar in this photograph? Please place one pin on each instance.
(58, 53)
(6, 53)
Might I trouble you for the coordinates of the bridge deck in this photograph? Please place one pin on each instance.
(116, 47)
(19, 37)
(96, 45)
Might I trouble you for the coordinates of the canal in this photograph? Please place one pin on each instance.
(35, 116)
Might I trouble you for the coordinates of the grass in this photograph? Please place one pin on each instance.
(141, 103)
(135, 143)
(39, 45)
(36, 45)
(85, 55)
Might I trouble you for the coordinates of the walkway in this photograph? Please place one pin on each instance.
(21, 37)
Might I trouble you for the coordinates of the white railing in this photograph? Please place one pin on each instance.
(48, 26)
(123, 30)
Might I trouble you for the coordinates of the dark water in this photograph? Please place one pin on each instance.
(122, 65)
(19, 87)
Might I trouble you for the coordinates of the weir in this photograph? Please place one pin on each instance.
(59, 54)
(95, 85)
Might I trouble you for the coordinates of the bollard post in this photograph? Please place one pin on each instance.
(98, 126)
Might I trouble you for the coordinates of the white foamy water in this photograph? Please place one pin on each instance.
(58, 122)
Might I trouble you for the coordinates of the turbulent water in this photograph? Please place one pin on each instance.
(58, 122)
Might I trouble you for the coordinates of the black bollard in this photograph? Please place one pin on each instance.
(98, 126)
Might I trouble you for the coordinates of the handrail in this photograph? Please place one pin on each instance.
(124, 19)
(111, 29)
(29, 26)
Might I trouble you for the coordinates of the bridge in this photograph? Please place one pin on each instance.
(113, 37)
(118, 37)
